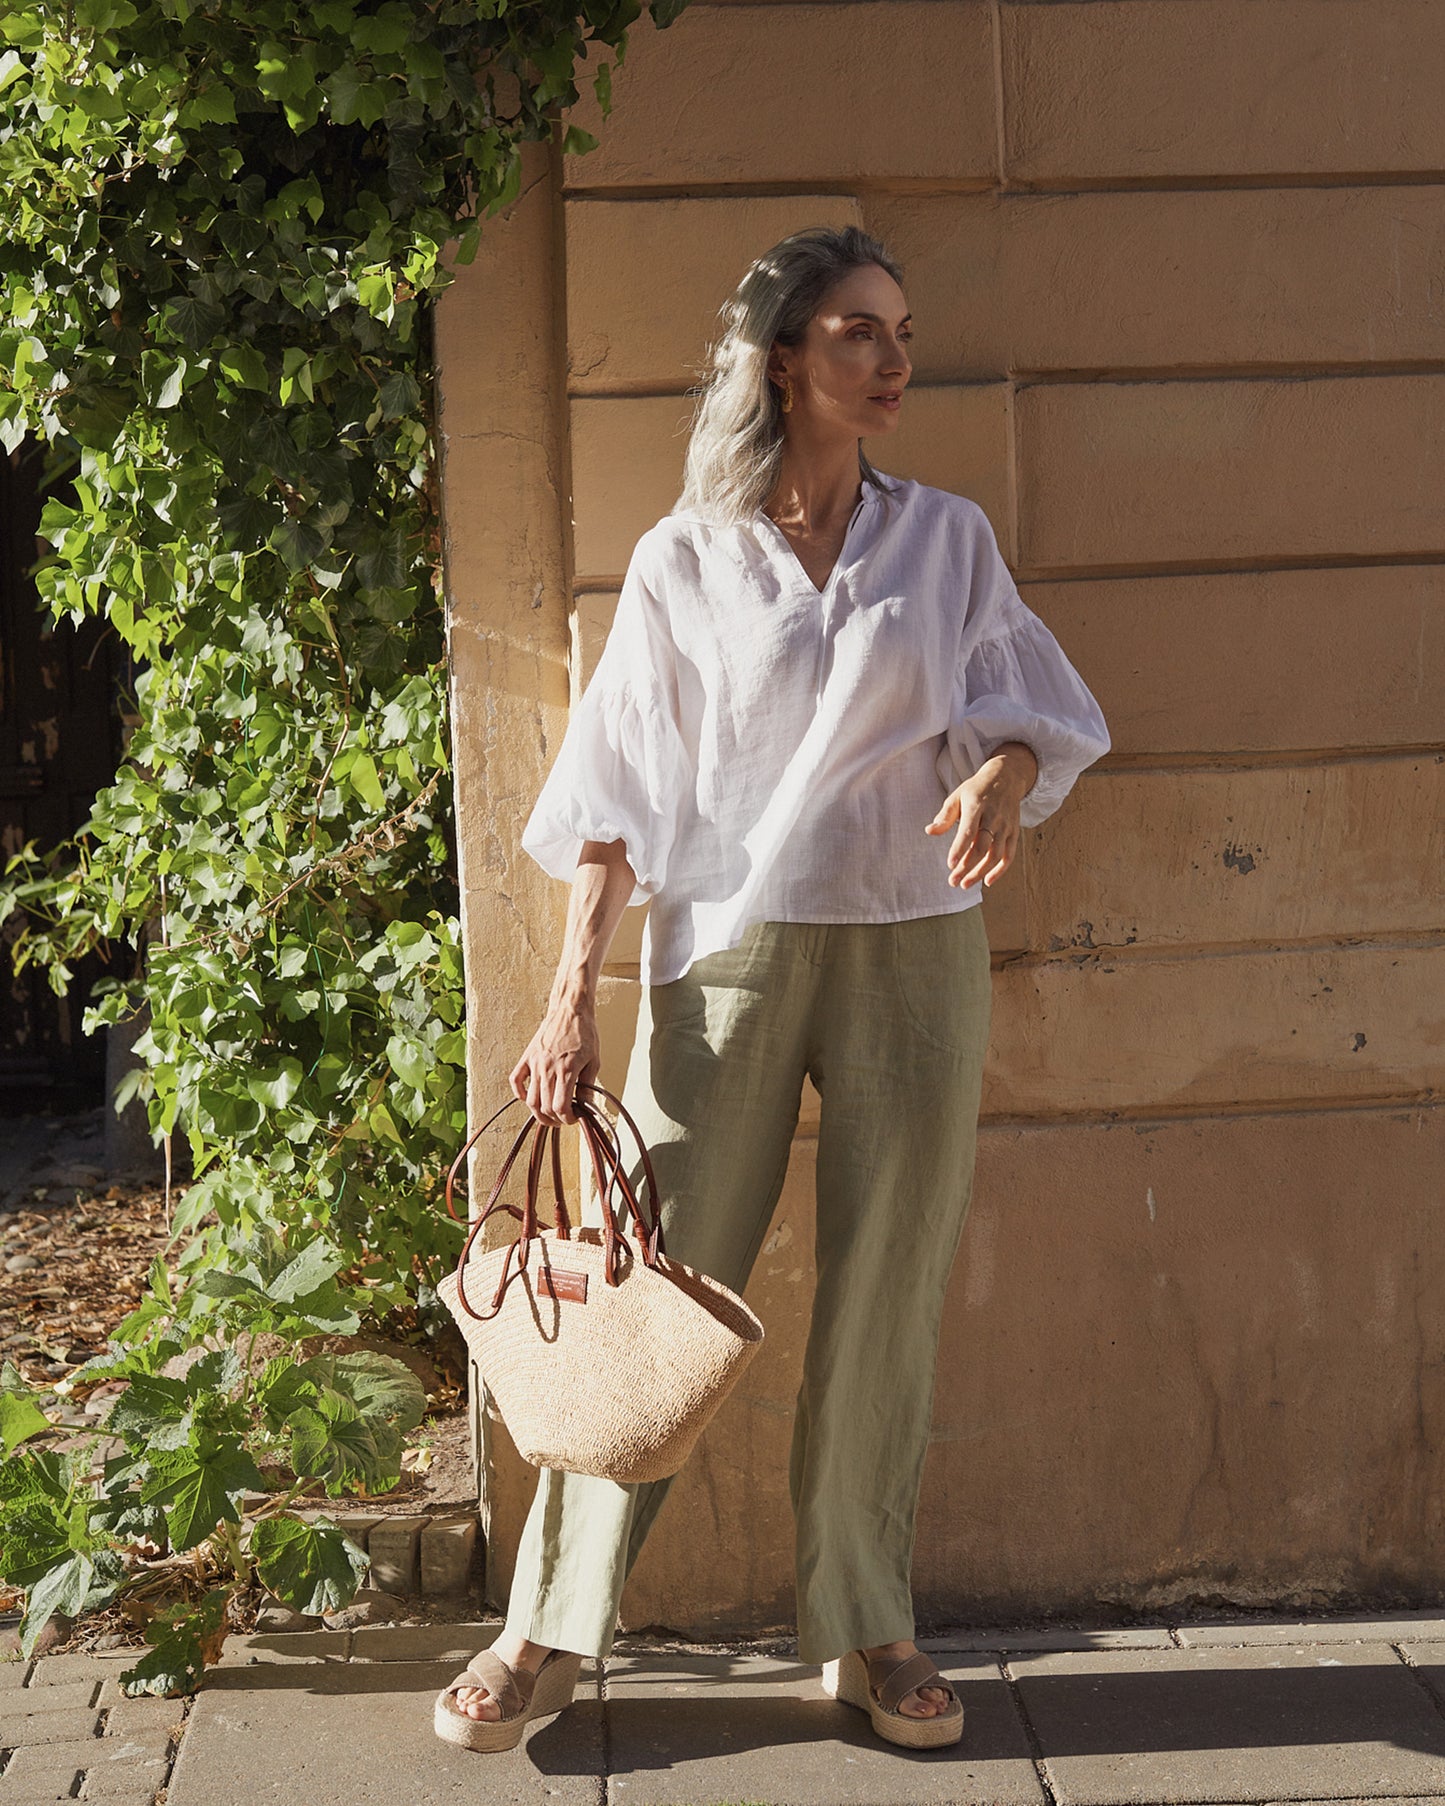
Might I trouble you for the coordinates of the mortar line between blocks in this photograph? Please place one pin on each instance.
(1031, 1736)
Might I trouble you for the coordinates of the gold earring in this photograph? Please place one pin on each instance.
(787, 394)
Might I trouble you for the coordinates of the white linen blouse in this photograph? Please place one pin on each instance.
(771, 752)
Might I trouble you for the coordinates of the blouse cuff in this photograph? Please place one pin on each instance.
(1021, 686)
(557, 845)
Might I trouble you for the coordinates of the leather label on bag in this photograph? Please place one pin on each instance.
(556, 1282)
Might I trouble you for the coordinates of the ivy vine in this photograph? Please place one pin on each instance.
(224, 230)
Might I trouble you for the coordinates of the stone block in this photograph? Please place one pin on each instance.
(1115, 90)
(90, 1667)
(1231, 1724)
(62, 1725)
(1382, 1627)
(291, 1647)
(424, 1642)
(1177, 281)
(622, 254)
(617, 1004)
(1165, 1299)
(145, 1715)
(393, 1546)
(714, 98)
(1148, 474)
(684, 1734)
(448, 1557)
(1343, 850)
(110, 1764)
(1257, 661)
(1121, 1029)
(627, 459)
(1006, 1641)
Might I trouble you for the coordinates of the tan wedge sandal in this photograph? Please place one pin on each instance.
(522, 1696)
(879, 1686)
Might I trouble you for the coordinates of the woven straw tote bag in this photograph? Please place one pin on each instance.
(604, 1356)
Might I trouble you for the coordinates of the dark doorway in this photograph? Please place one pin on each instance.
(61, 739)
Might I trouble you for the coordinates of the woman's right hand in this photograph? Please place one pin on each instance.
(564, 1053)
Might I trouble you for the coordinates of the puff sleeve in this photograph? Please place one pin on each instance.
(1013, 682)
(622, 770)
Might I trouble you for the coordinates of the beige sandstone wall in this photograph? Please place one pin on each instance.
(1178, 271)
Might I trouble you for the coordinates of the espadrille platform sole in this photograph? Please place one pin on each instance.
(523, 1699)
(847, 1679)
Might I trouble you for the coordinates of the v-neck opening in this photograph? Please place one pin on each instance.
(819, 593)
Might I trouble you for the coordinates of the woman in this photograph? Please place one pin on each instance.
(820, 721)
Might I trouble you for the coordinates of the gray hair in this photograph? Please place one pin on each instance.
(735, 450)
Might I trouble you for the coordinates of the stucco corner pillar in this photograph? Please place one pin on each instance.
(506, 524)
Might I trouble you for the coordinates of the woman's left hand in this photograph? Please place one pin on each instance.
(985, 811)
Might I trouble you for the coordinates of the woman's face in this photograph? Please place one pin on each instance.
(850, 371)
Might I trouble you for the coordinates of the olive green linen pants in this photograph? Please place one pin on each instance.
(890, 1020)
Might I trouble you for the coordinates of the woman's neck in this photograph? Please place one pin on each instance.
(813, 494)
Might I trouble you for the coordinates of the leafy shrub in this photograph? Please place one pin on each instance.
(224, 228)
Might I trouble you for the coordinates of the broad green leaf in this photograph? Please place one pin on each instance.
(409, 1061)
(377, 1384)
(312, 1567)
(199, 1488)
(20, 1419)
(277, 1087)
(336, 1444)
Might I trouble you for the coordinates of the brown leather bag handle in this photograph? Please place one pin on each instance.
(649, 1222)
(604, 1150)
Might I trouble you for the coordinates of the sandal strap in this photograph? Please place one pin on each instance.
(512, 1691)
(891, 1685)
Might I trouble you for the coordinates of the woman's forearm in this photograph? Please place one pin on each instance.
(600, 891)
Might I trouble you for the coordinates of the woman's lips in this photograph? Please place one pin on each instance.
(891, 402)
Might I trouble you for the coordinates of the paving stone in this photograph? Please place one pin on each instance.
(448, 1552)
(695, 1730)
(12, 1672)
(392, 1546)
(43, 1766)
(17, 1731)
(36, 1795)
(360, 1734)
(1055, 1637)
(67, 1696)
(138, 1717)
(1428, 1661)
(423, 1642)
(129, 1761)
(127, 1781)
(1260, 1724)
(1427, 1626)
(289, 1646)
(52, 1670)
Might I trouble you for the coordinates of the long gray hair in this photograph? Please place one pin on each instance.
(735, 450)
